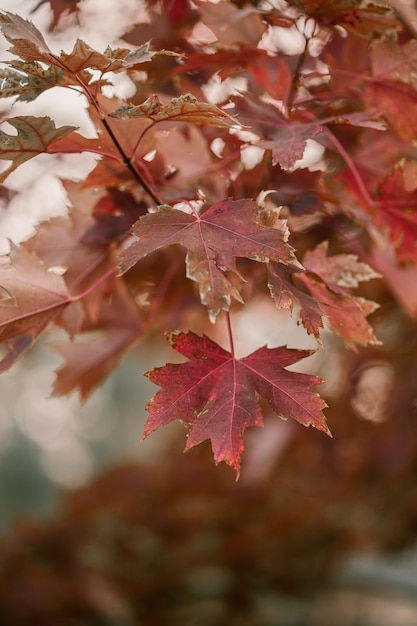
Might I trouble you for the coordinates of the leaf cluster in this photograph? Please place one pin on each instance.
(203, 206)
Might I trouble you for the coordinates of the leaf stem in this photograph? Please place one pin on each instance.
(160, 294)
(352, 167)
(127, 161)
(230, 333)
(296, 78)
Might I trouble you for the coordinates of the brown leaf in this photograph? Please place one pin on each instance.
(88, 363)
(34, 135)
(183, 109)
(30, 297)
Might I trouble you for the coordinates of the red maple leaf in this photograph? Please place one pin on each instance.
(396, 212)
(30, 297)
(88, 363)
(228, 229)
(34, 135)
(328, 281)
(215, 394)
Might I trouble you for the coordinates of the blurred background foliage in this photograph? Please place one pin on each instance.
(99, 530)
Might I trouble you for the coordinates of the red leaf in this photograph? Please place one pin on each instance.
(29, 81)
(290, 141)
(227, 230)
(88, 363)
(230, 24)
(215, 394)
(183, 109)
(59, 243)
(397, 103)
(327, 281)
(29, 45)
(396, 211)
(114, 214)
(60, 7)
(365, 20)
(34, 135)
(284, 291)
(28, 42)
(30, 297)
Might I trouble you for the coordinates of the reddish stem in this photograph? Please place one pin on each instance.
(230, 333)
(352, 167)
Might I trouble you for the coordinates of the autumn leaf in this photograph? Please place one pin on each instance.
(228, 229)
(30, 297)
(284, 290)
(329, 280)
(231, 25)
(183, 109)
(30, 45)
(59, 242)
(215, 395)
(395, 211)
(84, 57)
(28, 80)
(289, 142)
(324, 291)
(34, 135)
(397, 103)
(60, 7)
(364, 19)
(394, 61)
(88, 363)
(28, 42)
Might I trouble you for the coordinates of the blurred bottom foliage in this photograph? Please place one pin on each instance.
(178, 541)
(182, 543)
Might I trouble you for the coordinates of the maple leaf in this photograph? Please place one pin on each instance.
(88, 363)
(327, 280)
(183, 109)
(231, 25)
(84, 57)
(286, 138)
(289, 142)
(215, 394)
(228, 229)
(34, 135)
(59, 242)
(394, 61)
(30, 45)
(397, 103)
(284, 291)
(114, 215)
(28, 80)
(366, 20)
(28, 42)
(395, 211)
(60, 7)
(30, 297)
